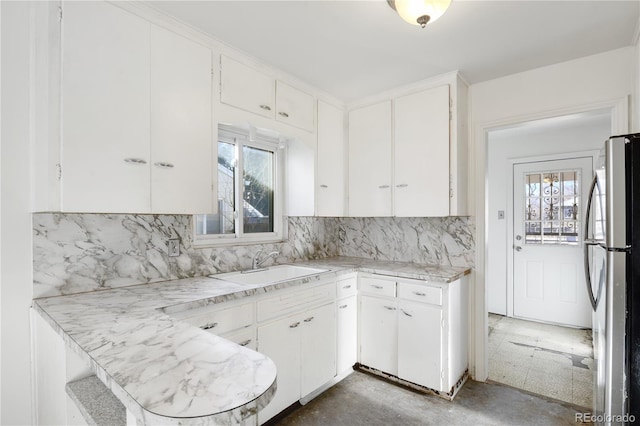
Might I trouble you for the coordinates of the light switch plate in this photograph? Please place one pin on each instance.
(173, 247)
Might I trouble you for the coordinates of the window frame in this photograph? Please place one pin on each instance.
(255, 139)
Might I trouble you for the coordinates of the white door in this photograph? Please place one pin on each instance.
(379, 334)
(317, 348)
(347, 333)
(420, 343)
(548, 273)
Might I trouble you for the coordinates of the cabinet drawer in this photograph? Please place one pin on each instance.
(224, 320)
(420, 293)
(243, 337)
(346, 287)
(377, 286)
(295, 301)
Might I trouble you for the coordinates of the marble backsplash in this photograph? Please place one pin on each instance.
(75, 253)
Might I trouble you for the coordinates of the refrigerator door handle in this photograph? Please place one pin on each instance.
(587, 243)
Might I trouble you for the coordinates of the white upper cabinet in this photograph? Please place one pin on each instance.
(370, 160)
(331, 162)
(181, 120)
(105, 110)
(136, 116)
(251, 90)
(295, 107)
(420, 166)
(421, 160)
(247, 88)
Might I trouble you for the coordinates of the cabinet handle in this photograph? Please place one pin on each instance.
(309, 319)
(406, 313)
(342, 306)
(402, 185)
(379, 287)
(390, 308)
(164, 165)
(419, 293)
(295, 324)
(323, 186)
(383, 186)
(283, 114)
(135, 161)
(265, 107)
(209, 326)
(349, 286)
(245, 343)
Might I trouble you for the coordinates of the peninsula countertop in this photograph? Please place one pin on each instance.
(166, 371)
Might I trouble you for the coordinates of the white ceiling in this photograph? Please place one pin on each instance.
(352, 49)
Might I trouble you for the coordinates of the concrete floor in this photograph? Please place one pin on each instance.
(362, 399)
(546, 359)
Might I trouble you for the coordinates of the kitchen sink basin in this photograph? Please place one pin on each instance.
(273, 274)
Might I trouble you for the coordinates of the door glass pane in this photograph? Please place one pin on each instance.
(258, 185)
(552, 205)
(222, 222)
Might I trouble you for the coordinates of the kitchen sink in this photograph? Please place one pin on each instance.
(270, 275)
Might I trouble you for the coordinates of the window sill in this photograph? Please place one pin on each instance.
(213, 243)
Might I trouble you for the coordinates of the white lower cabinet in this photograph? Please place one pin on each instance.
(303, 348)
(420, 343)
(420, 336)
(379, 333)
(347, 333)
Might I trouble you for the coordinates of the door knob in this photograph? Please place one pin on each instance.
(518, 248)
(518, 237)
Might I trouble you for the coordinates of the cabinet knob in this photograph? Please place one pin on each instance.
(419, 293)
(295, 324)
(135, 161)
(390, 308)
(402, 185)
(245, 343)
(379, 287)
(309, 319)
(265, 107)
(283, 114)
(164, 165)
(383, 186)
(406, 313)
(342, 306)
(209, 326)
(324, 186)
(346, 286)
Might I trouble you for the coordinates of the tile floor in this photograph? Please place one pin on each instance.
(545, 359)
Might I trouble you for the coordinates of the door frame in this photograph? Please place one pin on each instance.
(479, 133)
(593, 154)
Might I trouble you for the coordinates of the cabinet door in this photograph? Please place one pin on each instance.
(347, 334)
(105, 110)
(181, 146)
(421, 140)
(247, 88)
(420, 344)
(318, 348)
(280, 341)
(370, 160)
(295, 107)
(332, 156)
(378, 334)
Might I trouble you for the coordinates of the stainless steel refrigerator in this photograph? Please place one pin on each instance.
(612, 263)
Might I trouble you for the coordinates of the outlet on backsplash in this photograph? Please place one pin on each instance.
(173, 247)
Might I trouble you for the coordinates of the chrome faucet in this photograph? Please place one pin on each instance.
(257, 262)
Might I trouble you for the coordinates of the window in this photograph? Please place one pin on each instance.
(552, 203)
(249, 194)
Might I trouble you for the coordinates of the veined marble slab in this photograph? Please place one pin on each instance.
(168, 372)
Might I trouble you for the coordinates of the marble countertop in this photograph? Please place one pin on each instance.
(166, 371)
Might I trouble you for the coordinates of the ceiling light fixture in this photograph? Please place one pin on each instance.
(419, 12)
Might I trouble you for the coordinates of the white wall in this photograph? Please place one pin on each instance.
(15, 220)
(635, 100)
(569, 135)
(582, 84)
